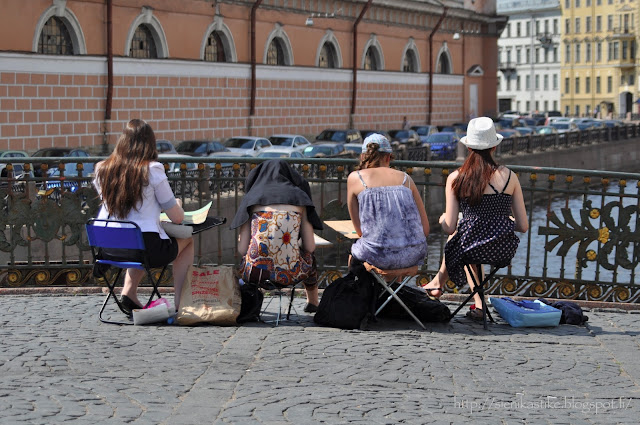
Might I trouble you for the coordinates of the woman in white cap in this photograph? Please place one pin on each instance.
(488, 195)
(386, 210)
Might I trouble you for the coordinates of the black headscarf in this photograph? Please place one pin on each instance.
(275, 182)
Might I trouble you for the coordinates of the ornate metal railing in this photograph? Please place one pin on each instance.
(583, 241)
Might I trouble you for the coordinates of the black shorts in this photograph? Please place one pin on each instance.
(161, 251)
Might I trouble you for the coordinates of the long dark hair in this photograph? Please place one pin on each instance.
(372, 157)
(474, 175)
(125, 172)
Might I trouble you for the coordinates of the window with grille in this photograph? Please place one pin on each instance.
(370, 59)
(275, 53)
(55, 38)
(410, 62)
(214, 50)
(327, 57)
(143, 45)
(445, 66)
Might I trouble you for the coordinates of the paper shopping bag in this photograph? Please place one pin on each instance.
(210, 294)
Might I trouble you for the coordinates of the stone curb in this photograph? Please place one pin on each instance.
(90, 290)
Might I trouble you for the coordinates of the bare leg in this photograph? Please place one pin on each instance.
(434, 288)
(476, 297)
(180, 266)
(312, 295)
(132, 279)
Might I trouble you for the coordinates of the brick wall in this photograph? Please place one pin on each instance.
(60, 101)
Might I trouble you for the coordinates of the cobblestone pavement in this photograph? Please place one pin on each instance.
(59, 364)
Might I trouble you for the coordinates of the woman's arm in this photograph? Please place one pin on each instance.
(244, 236)
(423, 212)
(353, 184)
(306, 231)
(517, 206)
(449, 219)
(176, 212)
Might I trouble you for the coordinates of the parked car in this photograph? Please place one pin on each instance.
(247, 145)
(508, 132)
(355, 148)
(70, 168)
(199, 147)
(174, 167)
(508, 123)
(424, 131)
(525, 131)
(367, 133)
(546, 129)
(18, 167)
(554, 114)
(276, 152)
(325, 150)
(564, 126)
(612, 123)
(342, 136)
(292, 141)
(443, 145)
(165, 146)
(405, 137)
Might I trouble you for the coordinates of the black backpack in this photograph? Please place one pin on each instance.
(572, 313)
(348, 302)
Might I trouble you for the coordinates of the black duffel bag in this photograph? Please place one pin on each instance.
(425, 308)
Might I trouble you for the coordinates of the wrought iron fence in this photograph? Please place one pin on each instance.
(583, 241)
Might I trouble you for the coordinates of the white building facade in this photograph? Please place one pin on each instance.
(529, 56)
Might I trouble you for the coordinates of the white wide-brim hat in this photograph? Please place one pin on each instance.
(481, 134)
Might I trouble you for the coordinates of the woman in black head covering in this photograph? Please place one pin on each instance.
(276, 220)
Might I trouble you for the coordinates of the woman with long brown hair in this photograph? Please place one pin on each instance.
(386, 210)
(492, 205)
(134, 187)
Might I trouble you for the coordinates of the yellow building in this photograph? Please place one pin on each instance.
(598, 57)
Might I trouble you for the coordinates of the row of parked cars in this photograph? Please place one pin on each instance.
(331, 143)
(515, 126)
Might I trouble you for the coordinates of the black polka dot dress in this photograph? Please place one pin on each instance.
(485, 235)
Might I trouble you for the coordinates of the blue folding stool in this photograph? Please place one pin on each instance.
(118, 234)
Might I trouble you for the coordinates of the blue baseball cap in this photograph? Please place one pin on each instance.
(378, 139)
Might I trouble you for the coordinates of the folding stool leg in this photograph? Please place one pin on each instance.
(390, 297)
(478, 289)
(111, 286)
(154, 284)
(382, 282)
(293, 291)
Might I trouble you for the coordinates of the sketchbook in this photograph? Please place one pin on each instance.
(192, 217)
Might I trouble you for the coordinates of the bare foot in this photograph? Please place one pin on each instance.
(434, 288)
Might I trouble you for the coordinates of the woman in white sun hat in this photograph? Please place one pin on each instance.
(492, 205)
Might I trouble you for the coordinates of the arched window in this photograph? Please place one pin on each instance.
(55, 38)
(143, 44)
(328, 57)
(370, 59)
(444, 65)
(410, 63)
(275, 53)
(214, 50)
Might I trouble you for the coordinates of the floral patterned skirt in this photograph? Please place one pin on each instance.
(275, 252)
